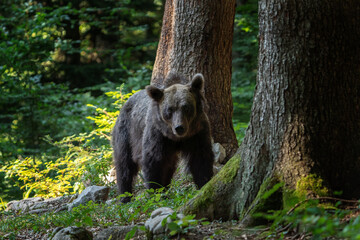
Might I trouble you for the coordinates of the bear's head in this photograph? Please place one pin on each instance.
(179, 105)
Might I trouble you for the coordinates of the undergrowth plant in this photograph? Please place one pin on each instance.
(103, 215)
(86, 158)
(182, 226)
(318, 218)
(321, 221)
(2, 205)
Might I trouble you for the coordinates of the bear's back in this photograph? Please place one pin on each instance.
(134, 112)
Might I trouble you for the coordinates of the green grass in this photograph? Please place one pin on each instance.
(101, 215)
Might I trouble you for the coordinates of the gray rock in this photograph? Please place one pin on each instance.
(38, 205)
(94, 193)
(153, 224)
(161, 211)
(112, 201)
(23, 205)
(38, 211)
(118, 233)
(111, 176)
(71, 233)
(219, 152)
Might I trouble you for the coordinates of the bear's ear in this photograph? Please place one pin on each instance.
(155, 93)
(197, 82)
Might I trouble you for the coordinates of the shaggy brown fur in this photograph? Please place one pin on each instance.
(154, 126)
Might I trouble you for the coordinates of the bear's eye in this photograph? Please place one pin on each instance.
(188, 109)
(167, 113)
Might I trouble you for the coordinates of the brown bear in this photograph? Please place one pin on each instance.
(154, 126)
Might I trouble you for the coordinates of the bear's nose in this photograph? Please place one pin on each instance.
(180, 130)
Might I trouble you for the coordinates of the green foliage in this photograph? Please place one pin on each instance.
(25, 101)
(322, 222)
(36, 179)
(23, 136)
(245, 50)
(86, 156)
(181, 226)
(80, 216)
(132, 232)
(311, 184)
(142, 205)
(102, 215)
(309, 217)
(147, 201)
(57, 56)
(2, 205)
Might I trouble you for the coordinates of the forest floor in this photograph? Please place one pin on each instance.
(214, 230)
(310, 222)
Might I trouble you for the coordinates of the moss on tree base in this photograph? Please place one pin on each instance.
(214, 199)
(219, 198)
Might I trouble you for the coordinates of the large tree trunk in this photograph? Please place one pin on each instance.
(196, 36)
(305, 122)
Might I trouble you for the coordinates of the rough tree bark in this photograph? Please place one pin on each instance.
(305, 123)
(196, 36)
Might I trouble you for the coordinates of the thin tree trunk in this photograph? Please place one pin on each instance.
(305, 119)
(196, 37)
(72, 32)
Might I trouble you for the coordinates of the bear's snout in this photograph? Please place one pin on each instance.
(179, 124)
(180, 130)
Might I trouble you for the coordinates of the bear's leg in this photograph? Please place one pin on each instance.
(125, 175)
(157, 159)
(170, 168)
(158, 174)
(153, 172)
(126, 169)
(198, 152)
